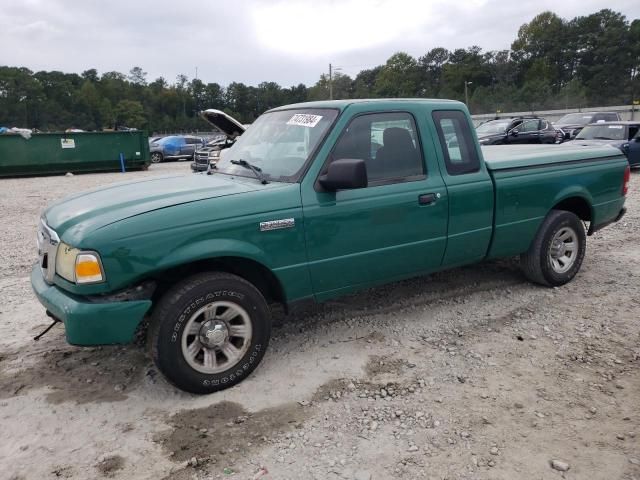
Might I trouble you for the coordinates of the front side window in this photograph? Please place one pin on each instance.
(387, 142)
(278, 144)
(458, 147)
(493, 127)
(529, 126)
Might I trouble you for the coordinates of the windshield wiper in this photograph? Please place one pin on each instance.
(602, 138)
(253, 168)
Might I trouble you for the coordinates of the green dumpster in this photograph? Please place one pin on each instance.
(51, 153)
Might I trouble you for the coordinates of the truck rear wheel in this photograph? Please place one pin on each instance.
(557, 251)
(209, 332)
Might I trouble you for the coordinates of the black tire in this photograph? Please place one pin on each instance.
(174, 313)
(538, 262)
(156, 157)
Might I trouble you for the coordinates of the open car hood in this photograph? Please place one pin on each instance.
(223, 122)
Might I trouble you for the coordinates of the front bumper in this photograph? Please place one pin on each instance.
(199, 167)
(88, 323)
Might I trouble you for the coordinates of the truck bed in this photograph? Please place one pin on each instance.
(529, 180)
(502, 157)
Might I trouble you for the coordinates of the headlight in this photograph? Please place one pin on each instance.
(214, 154)
(77, 266)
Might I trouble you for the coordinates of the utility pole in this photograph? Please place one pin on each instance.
(633, 94)
(330, 83)
(331, 70)
(466, 93)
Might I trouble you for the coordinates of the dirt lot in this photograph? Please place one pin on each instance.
(468, 374)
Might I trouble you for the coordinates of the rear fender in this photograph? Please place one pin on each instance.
(574, 191)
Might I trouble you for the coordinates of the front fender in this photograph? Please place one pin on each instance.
(214, 248)
(293, 279)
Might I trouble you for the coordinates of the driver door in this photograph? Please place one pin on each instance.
(528, 132)
(393, 228)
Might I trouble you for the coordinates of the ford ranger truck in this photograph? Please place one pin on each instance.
(314, 201)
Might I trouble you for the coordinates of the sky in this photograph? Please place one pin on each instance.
(251, 41)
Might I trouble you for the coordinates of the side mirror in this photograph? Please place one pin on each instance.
(514, 132)
(345, 174)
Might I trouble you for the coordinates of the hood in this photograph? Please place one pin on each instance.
(86, 212)
(223, 122)
(590, 143)
(568, 126)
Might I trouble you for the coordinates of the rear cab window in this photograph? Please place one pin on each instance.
(457, 142)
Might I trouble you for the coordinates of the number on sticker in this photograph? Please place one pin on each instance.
(304, 120)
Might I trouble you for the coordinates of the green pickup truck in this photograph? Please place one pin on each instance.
(313, 201)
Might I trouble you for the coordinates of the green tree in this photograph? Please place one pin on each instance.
(545, 40)
(130, 113)
(399, 77)
(430, 67)
(137, 76)
(365, 82)
(604, 63)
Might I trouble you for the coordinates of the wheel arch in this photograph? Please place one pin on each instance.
(576, 203)
(249, 269)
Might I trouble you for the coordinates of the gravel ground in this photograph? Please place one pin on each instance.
(468, 374)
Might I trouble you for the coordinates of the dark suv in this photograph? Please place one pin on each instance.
(572, 123)
(517, 130)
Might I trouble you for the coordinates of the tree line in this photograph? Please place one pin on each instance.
(589, 60)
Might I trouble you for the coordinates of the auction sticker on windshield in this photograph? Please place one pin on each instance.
(304, 120)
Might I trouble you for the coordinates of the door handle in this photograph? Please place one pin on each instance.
(427, 198)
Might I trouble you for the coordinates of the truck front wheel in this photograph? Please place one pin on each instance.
(557, 251)
(209, 332)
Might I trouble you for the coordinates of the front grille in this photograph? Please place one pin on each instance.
(47, 249)
(202, 158)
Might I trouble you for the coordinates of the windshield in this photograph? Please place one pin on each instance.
(602, 132)
(577, 118)
(278, 143)
(217, 141)
(495, 126)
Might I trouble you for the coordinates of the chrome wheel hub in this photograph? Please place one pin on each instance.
(564, 250)
(213, 333)
(216, 337)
